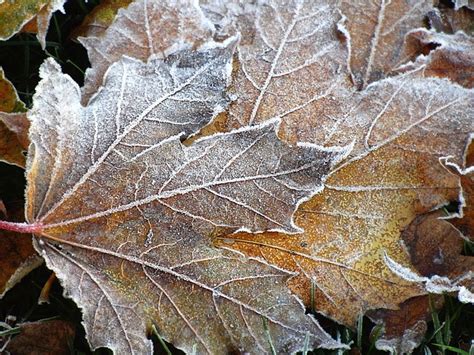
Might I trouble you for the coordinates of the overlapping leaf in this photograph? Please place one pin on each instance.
(377, 29)
(17, 255)
(452, 58)
(16, 14)
(13, 124)
(290, 60)
(136, 252)
(147, 28)
(42, 337)
(393, 176)
(100, 18)
(401, 126)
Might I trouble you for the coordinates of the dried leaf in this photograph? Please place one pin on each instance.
(13, 126)
(404, 329)
(124, 212)
(394, 173)
(134, 251)
(435, 248)
(376, 30)
(460, 3)
(16, 14)
(447, 20)
(51, 337)
(402, 126)
(146, 28)
(100, 18)
(452, 58)
(290, 59)
(17, 255)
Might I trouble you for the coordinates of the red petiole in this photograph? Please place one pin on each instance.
(34, 228)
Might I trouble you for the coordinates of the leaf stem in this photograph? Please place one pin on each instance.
(34, 228)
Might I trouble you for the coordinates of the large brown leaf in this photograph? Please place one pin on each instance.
(393, 175)
(124, 213)
(401, 128)
(146, 28)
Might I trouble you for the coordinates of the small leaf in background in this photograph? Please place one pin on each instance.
(452, 56)
(36, 13)
(404, 329)
(100, 18)
(17, 255)
(448, 20)
(44, 337)
(13, 124)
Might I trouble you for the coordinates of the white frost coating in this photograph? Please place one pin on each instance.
(341, 27)
(144, 29)
(460, 3)
(168, 97)
(465, 296)
(408, 342)
(118, 344)
(297, 174)
(435, 284)
(43, 18)
(402, 271)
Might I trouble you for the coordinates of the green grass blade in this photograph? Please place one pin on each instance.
(160, 339)
(269, 337)
(451, 348)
